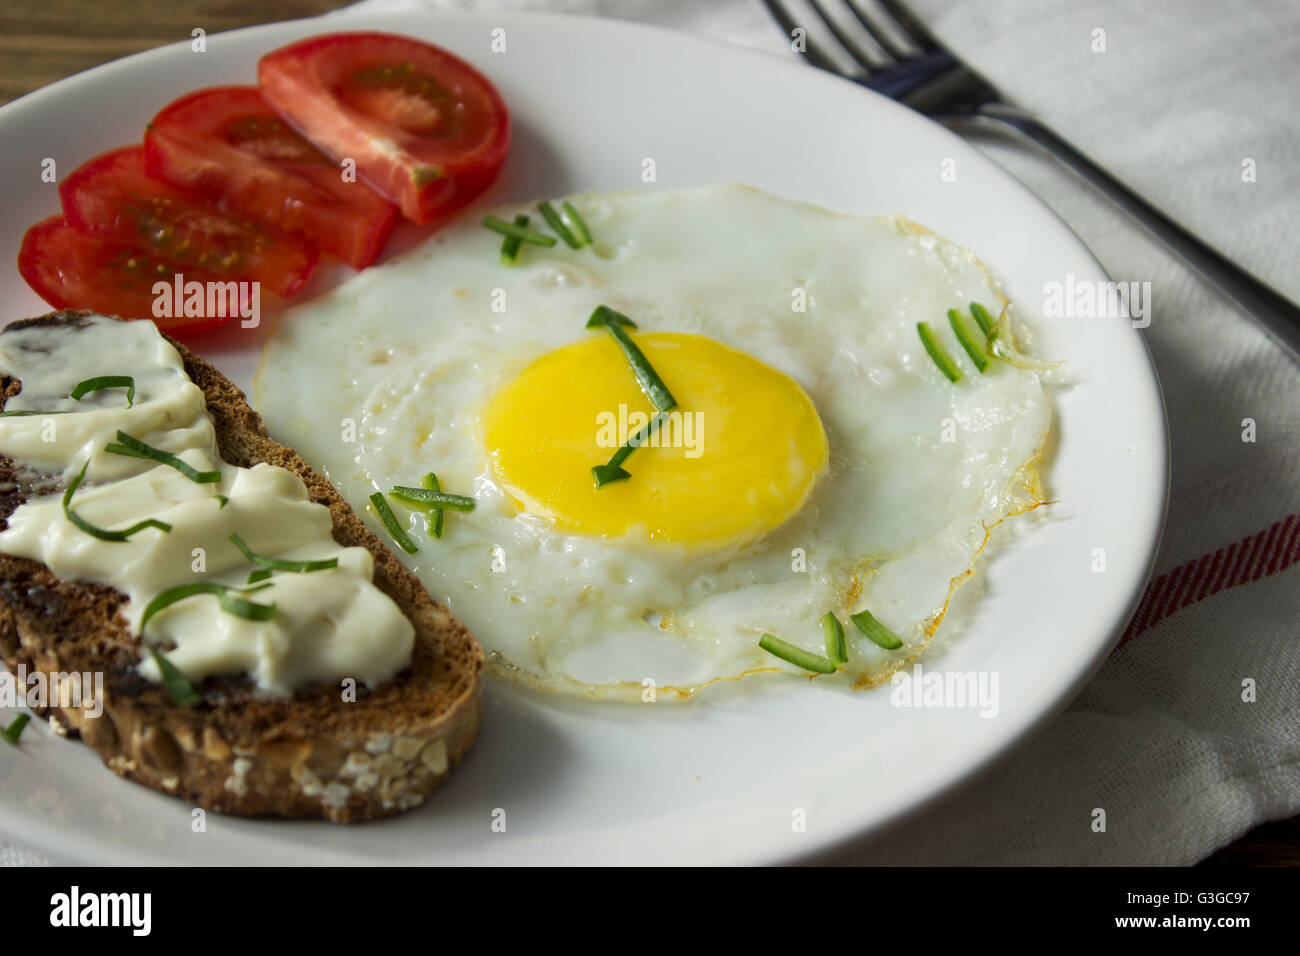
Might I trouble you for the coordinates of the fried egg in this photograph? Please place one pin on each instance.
(817, 459)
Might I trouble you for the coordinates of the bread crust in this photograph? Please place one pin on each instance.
(241, 751)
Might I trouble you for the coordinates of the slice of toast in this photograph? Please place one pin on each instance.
(239, 750)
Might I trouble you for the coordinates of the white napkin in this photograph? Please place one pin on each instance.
(1162, 739)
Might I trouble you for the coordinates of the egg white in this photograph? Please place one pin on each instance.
(387, 377)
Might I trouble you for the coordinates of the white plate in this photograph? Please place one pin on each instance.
(719, 779)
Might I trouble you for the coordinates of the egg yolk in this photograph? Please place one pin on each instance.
(736, 458)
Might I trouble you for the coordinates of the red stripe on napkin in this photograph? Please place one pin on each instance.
(1266, 552)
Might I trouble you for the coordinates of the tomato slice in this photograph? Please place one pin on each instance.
(111, 195)
(73, 269)
(425, 128)
(228, 144)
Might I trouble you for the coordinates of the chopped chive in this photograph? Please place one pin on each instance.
(575, 220)
(227, 597)
(651, 383)
(937, 352)
(101, 533)
(279, 564)
(970, 344)
(380, 504)
(982, 317)
(102, 382)
(522, 233)
(433, 526)
(612, 470)
(432, 499)
(796, 655)
(604, 314)
(250, 610)
(555, 222)
(510, 244)
(15, 728)
(180, 690)
(222, 501)
(430, 481)
(607, 474)
(261, 574)
(836, 648)
(878, 633)
(135, 448)
(81, 389)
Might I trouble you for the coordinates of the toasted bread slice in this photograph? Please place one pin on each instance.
(241, 751)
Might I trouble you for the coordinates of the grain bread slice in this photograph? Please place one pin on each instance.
(240, 751)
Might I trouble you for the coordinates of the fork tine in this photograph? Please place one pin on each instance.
(885, 29)
(811, 52)
(907, 25)
(871, 56)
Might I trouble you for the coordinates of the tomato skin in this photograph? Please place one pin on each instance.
(431, 134)
(73, 269)
(110, 195)
(229, 145)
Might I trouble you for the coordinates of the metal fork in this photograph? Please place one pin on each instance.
(879, 44)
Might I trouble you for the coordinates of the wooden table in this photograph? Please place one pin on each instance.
(45, 40)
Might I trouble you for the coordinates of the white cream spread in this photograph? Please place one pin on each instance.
(328, 625)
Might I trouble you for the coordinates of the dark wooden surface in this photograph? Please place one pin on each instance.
(45, 40)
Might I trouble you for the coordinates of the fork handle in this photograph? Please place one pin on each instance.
(1276, 315)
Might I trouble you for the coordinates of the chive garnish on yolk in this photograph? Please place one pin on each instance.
(651, 383)
(612, 470)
